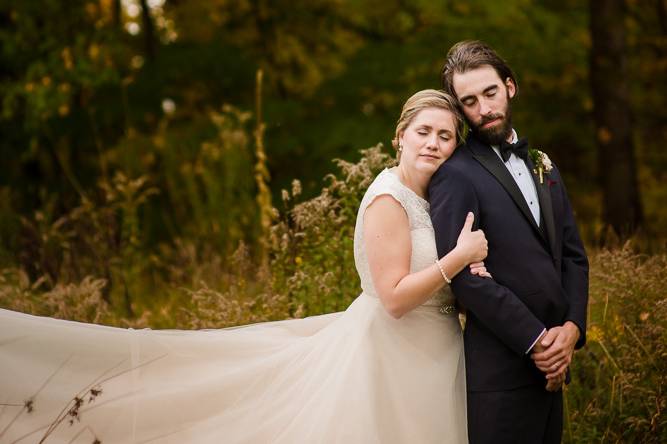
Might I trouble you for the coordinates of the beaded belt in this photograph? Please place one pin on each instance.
(447, 309)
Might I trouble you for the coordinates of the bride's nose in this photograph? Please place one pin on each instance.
(432, 143)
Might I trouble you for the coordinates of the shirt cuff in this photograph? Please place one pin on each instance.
(535, 341)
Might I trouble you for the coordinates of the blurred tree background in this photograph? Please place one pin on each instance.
(131, 127)
(145, 144)
(142, 88)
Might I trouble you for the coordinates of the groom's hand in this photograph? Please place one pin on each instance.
(555, 384)
(555, 350)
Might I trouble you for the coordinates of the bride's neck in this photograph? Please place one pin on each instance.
(417, 182)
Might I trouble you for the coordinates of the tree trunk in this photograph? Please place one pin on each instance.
(117, 14)
(148, 30)
(621, 205)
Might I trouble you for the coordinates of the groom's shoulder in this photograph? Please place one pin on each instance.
(458, 163)
(455, 172)
(462, 155)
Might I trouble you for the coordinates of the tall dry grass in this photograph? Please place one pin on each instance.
(619, 378)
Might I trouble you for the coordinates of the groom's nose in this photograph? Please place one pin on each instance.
(484, 107)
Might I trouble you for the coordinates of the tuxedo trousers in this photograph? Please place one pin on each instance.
(525, 415)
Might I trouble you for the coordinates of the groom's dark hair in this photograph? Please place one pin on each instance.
(472, 54)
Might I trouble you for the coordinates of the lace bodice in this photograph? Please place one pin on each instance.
(424, 252)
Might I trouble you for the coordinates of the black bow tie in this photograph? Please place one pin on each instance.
(520, 149)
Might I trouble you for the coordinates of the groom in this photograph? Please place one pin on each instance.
(523, 325)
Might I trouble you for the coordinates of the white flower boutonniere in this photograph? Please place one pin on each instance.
(541, 161)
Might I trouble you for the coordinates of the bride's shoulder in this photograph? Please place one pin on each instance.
(386, 179)
(385, 183)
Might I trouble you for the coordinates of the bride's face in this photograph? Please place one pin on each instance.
(429, 140)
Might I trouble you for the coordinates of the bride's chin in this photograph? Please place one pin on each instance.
(429, 167)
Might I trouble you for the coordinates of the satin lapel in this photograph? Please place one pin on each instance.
(490, 160)
(544, 196)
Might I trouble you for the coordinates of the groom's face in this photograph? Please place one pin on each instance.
(485, 101)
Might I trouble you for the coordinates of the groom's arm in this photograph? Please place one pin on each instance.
(560, 342)
(574, 267)
(451, 197)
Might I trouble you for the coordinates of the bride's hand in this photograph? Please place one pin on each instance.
(479, 269)
(472, 244)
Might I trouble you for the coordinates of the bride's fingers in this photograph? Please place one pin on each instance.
(481, 271)
(477, 265)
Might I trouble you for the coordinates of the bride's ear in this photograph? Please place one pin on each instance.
(397, 143)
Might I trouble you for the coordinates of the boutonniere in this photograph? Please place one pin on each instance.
(542, 163)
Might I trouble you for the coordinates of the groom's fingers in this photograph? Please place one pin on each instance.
(551, 367)
(560, 373)
(555, 365)
(547, 362)
(550, 337)
(550, 342)
(559, 353)
(555, 384)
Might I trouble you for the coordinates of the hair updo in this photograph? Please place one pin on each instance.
(428, 98)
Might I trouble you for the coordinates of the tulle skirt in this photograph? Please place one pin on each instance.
(358, 376)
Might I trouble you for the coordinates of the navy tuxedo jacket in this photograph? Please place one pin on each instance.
(540, 274)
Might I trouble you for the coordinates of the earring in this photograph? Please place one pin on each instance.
(400, 147)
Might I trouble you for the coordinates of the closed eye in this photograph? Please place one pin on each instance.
(470, 101)
(491, 91)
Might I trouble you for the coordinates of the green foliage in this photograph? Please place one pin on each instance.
(82, 94)
(243, 295)
(312, 245)
(201, 195)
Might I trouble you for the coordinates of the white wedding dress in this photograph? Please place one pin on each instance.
(359, 376)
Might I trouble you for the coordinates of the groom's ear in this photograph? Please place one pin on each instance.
(511, 87)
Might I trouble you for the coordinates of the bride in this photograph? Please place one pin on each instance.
(389, 369)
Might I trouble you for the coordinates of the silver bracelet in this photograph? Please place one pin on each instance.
(442, 272)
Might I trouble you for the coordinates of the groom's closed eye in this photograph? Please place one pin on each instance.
(489, 91)
(468, 101)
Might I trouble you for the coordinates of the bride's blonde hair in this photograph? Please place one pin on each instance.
(427, 98)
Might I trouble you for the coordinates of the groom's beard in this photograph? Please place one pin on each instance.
(495, 135)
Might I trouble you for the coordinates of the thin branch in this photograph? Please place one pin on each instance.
(18, 414)
(75, 402)
(133, 368)
(42, 427)
(78, 395)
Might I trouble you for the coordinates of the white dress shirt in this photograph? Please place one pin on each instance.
(521, 174)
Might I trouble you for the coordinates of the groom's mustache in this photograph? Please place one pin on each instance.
(488, 118)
